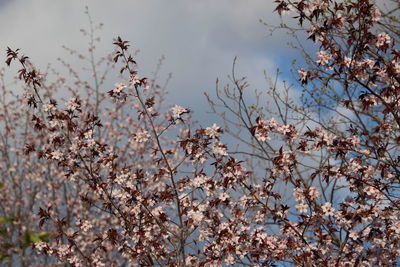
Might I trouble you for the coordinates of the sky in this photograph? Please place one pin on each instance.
(199, 38)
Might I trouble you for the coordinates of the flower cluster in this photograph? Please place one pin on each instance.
(113, 179)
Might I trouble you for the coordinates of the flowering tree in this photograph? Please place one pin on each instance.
(116, 180)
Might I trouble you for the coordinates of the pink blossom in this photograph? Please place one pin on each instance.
(302, 207)
(57, 155)
(323, 57)
(383, 40)
(85, 225)
(219, 149)
(177, 111)
(298, 193)
(141, 136)
(354, 235)
(49, 107)
(72, 104)
(313, 193)
(40, 246)
(372, 191)
(213, 131)
(119, 87)
(303, 74)
(327, 209)
(376, 14)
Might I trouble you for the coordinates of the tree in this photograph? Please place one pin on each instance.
(128, 183)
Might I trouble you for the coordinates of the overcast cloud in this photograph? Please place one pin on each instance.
(199, 38)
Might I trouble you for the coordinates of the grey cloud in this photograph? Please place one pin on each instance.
(199, 38)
